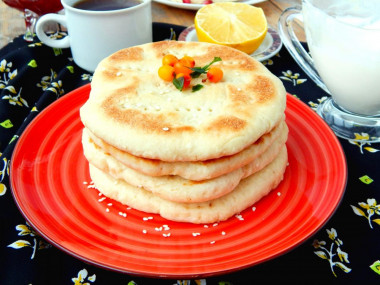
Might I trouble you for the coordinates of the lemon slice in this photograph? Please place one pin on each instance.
(238, 25)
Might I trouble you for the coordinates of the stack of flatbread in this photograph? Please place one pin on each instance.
(198, 157)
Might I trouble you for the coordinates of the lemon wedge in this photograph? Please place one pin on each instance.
(238, 25)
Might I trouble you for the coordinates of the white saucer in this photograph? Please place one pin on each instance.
(269, 47)
(189, 6)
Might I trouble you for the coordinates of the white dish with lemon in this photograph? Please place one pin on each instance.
(269, 47)
(193, 6)
(237, 25)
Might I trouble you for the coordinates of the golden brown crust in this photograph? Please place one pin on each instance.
(132, 108)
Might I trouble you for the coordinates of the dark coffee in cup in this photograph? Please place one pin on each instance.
(105, 5)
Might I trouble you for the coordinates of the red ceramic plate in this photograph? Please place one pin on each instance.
(50, 183)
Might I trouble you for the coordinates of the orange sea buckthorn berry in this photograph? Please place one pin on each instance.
(166, 72)
(169, 59)
(186, 79)
(187, 61)
(180, 68)
(214, 74)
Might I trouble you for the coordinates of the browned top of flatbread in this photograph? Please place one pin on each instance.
(131, 108)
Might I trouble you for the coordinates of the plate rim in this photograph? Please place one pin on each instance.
(86, 88)
(189, 6)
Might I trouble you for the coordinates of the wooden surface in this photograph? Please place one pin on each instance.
(12, 23)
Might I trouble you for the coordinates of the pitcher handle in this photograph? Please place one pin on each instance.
(293, 45)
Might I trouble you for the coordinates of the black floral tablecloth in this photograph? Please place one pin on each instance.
(346, 250)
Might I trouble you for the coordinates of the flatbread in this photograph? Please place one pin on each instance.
(176, 188)
(193, 170)
(249, 191)
(131, 108)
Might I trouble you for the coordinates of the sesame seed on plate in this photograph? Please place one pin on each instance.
(147, 218)
(239, 217)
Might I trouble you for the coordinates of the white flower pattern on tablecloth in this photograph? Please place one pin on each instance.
(293, 78)
(371, 207)
(36, 242)
(83, 277)
(330, 253)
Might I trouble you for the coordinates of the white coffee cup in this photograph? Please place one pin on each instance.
(94, 35)
(344, 41)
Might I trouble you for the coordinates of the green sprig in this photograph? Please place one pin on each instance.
(197, 71)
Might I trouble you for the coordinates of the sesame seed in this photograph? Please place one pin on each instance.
(223, 233)
(144, 231)
(165, 129)
(118, 74)
(109, 204)
(239, 217)
(166, 235)
(278, 193)
(253, 208)
(212, 242)
(101, 199)
(107, 210)
(147, 218)
(196, 234)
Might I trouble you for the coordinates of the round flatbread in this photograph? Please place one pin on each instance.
(249, 191)
(176, 188)
(192, 170)
(131, 108)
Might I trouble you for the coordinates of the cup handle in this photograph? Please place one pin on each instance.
(293, 45)
(40, 31)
